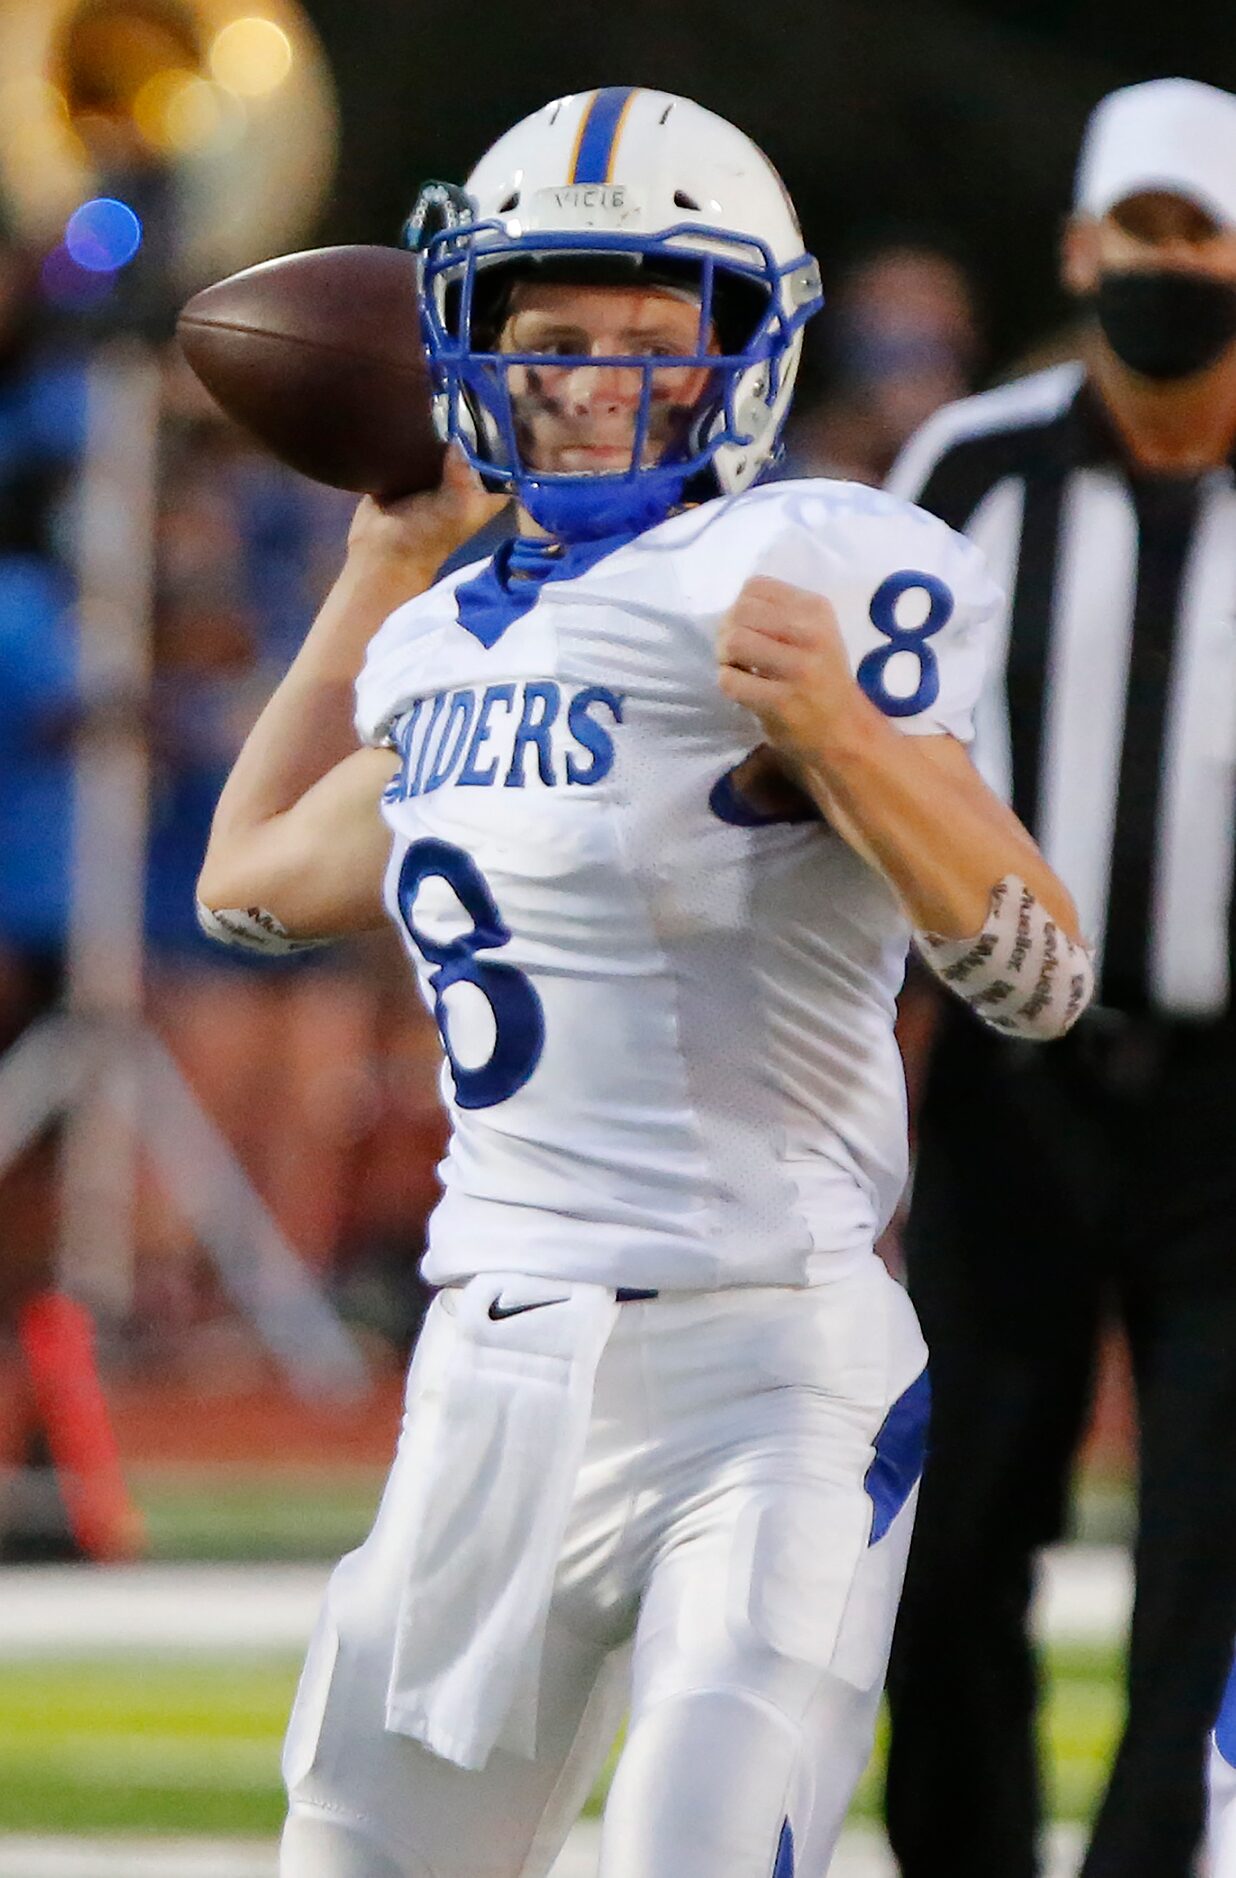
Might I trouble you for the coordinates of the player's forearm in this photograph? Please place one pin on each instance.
(394, 552)
(306, 727)
(295, 848)
(913, 806)
(311, 873)
(933, 829)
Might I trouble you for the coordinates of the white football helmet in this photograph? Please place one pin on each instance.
(619, 185)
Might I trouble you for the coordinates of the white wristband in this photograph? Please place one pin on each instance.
(1020, 973)
(251, 928)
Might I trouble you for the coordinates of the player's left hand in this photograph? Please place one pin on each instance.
(782, 655)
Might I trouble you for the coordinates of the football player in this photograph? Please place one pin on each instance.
(1221, 1787)
(659, 792)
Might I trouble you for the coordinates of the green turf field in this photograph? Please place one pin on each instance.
(181, 1744)
(170, 1744)
(243, 1512)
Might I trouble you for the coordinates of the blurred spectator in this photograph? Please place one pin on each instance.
(320, 1074)
(56, 1413)
(299, 1062)
(903, 339)
(42, 422)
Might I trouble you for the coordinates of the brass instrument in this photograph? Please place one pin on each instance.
(228, 103)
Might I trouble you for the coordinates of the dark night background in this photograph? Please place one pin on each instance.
(955, 121)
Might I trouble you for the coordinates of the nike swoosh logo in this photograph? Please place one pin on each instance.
(498, 1310)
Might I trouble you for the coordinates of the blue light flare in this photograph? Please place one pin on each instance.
(103, 235)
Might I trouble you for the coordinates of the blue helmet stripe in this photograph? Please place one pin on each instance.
(599, 133)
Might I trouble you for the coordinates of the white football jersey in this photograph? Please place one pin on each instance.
(668, 1023)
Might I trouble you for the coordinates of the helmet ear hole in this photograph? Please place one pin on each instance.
(683, 201)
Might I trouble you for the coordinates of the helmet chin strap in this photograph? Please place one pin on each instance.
(595, 507)
(590, 508)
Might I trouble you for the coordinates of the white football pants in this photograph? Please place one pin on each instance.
(730, 1572)
(1221, 1815)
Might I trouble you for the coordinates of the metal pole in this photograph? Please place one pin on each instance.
(98, 1063)
(115, 577)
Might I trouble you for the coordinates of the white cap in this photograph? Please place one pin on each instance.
(1171, 134)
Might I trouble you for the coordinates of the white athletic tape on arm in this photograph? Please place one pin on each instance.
(252, 928)
(1020, 973)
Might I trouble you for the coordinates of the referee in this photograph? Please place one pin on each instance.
(1100, 1174)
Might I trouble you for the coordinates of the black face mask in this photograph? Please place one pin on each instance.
(1164, 323)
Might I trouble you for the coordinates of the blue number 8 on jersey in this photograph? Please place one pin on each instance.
(883, 613)
(519, 1020)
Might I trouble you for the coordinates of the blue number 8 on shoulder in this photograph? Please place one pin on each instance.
(873, 667)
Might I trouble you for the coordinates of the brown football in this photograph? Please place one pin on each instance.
(318, 355)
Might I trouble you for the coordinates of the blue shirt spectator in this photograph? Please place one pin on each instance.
(37, 702)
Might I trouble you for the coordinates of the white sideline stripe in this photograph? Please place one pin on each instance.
(862, 1854)
(66, 1609)
(1085, 1595)
(30, 1857)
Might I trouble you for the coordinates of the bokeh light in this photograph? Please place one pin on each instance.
(154, 102)
(200, 116)
(180, 114)
(103, 235)
(30, 99)
(38, 132)
(251, 56)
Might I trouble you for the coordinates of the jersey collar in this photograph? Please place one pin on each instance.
(510, 583)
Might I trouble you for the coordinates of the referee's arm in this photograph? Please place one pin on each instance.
(921, 455)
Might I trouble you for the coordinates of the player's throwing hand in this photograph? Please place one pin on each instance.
(426, 528)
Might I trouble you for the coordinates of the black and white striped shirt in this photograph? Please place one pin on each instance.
(1110, 720)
